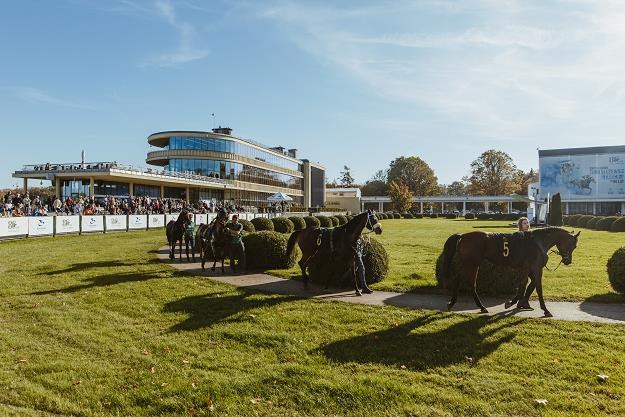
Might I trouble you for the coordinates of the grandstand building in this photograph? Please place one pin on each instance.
(195, 166)
(589, 180)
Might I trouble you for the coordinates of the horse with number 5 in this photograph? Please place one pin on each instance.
(526, 251)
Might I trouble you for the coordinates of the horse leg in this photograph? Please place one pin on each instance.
(454, 292)
(473, 270)
(524, 303)
(171, 250)
(519, 292)
(180, 250)
(539, 291)
(302, 266)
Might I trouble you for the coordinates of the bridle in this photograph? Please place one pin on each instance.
(369, 225)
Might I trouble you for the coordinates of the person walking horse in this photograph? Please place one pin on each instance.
(237, 249)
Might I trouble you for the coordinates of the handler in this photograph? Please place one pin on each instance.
(237, 249)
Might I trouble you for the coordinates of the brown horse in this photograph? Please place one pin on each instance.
(525, 251)
(332, 242)
(218, 241)
(175, 232)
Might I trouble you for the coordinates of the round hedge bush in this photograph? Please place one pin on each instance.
(324, 221)
(407, 215)
(283, 225)
(349, 217)
(267, 250)
(469, 216)
(380, 216)
(451, 216)
(618, 225)
(574, 220)
(418, 216)
(334, 220)
(340, 269)
(342, 219)
(583, 221)
(605, 223)
(434, 216)
(591, 224)
(262, 223)
(616, 270)
(491, 279)
(565, 220)
(312, 221)
(298, 222)
(248, 226)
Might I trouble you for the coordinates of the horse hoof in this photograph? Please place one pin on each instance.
(358, 294)
(508, 304)
(548, 314)
(449, 306)
(524, 307)
(483, 310)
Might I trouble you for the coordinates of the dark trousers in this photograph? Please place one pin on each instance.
(237, 252)
(360, 271)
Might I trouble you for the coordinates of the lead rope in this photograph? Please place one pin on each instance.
(557, 266)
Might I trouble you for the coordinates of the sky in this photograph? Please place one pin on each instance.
(353, 83)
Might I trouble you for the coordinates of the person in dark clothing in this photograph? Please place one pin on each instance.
(360, 268)
(237, 249)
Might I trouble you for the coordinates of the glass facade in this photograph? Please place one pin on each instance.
(230, 146)
(317, 185)
(146, 190)
(253, 198)
(104, 188)
(74, 188)
(234, 171)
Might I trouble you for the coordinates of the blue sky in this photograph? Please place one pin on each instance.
(347, 83)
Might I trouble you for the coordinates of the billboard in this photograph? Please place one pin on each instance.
(115, 222)
(156, 220)
(137, 221)
(13, 226)
(67, 224)
(579, 176)
(91, 224)
(40, 226)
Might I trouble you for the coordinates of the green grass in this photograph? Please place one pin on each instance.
(94, 326)
(414, 245)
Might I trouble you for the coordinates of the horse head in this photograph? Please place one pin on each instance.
(372, 223)
(566, 244)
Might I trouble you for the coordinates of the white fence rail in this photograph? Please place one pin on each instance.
(20, 227)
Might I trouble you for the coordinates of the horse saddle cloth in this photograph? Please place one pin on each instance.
(514, 248)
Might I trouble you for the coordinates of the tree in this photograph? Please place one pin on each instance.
(555, 211)
(346, 178)
(524, 180)
(456, 188)
(493, 173)
(414, 173)
(400, 196)
(380, 176)
(374, 188)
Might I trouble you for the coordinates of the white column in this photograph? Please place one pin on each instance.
(485, 205)
(421, 203)
(464, 208)
(381, 207)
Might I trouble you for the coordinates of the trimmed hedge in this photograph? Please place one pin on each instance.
(340, 269)
(565, 220)
(381, 216)
(583, 221)
(469, 216)
(248, 226)
(618, 225)
(434, 216)
(267, 250)
(283, 225)
(605, 223)
(334, 220)
(418, 216)
(396, 216)
(312, 221)
(574, 220)
(491, 279)
(298, 222)
(616, 270)
(451, 216)
(591, 224)
(324, 221)
(407, 215)
(342, 219)
(261, 223)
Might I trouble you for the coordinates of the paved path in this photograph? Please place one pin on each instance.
(584, 311)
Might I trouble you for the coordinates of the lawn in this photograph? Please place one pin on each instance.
(95, 326)
(414, 245)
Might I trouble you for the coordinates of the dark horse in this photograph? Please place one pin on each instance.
(203, 232)
(175, 233)
(527, 252)
(337, 242)
(215, 235)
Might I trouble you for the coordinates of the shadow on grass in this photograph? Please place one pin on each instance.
(423, 344)
(206, 310)
(609, 305)
(102, 281)
(84, 266)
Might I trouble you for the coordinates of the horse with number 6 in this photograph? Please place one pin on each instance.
(525, 251)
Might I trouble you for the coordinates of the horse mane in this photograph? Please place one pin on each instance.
(548, 230)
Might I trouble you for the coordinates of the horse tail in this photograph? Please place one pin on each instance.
(449, 250)
(291, 243)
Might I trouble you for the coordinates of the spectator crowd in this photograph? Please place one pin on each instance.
(16, 204)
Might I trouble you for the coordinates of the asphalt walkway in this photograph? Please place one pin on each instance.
(561, 310)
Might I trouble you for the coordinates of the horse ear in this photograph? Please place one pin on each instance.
(578, 234)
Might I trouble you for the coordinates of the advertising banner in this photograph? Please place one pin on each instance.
(137, 221)
(67, 224)
(115, 223)
(170, 217)
(40, 226)
(90, 224)
(156, 220)
(13, 226)
(600, 176)
(201, 218)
